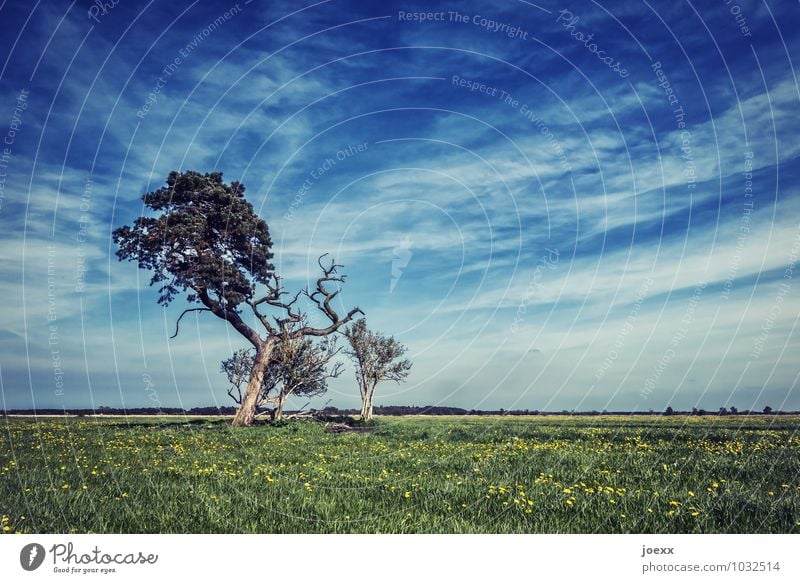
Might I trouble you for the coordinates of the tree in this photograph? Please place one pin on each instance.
(303, 369)
(669, 411)
(376, 359)
(767, 410)
(209, 242)
(237, 368)
(298, 367)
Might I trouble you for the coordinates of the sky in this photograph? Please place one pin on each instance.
(554, 206)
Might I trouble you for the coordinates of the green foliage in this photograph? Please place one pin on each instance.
(376, 356)
(206, 239)
(299, 367)
(237, 369)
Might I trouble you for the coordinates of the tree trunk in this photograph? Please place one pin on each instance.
(366, 404)
(278, 411)
(247, 410)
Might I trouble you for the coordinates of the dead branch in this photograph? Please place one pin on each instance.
(178, 321)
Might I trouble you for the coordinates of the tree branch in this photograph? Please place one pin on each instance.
(222, 311)
(273, 298)
(321, 296)
(178, 321)
(307, 331)
(261, 317)
(237, 400)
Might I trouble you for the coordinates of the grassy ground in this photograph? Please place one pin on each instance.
(418, 474)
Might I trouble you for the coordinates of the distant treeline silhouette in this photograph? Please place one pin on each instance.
(389, 410)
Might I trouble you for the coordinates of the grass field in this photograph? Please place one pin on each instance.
(414, 474)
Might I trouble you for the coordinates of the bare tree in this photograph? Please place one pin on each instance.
(303, 369)
(376, 359)
(237, 368)
(298, 367)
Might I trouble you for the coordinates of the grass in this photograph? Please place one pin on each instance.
(413, 474)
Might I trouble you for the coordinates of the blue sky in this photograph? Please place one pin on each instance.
(554, 206)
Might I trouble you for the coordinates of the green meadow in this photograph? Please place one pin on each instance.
(545, 474)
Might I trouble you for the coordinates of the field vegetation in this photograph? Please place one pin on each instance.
(554, 474)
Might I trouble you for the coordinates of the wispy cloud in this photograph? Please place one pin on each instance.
(359, 134)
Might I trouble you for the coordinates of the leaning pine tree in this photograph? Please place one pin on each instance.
(209, 242)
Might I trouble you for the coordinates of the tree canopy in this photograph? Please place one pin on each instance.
(208, 239)
(376, 358)
(298, 366)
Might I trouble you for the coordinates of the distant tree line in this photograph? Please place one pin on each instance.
(389, 410)
(103, 410)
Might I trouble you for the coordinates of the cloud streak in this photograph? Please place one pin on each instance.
(445, 146)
